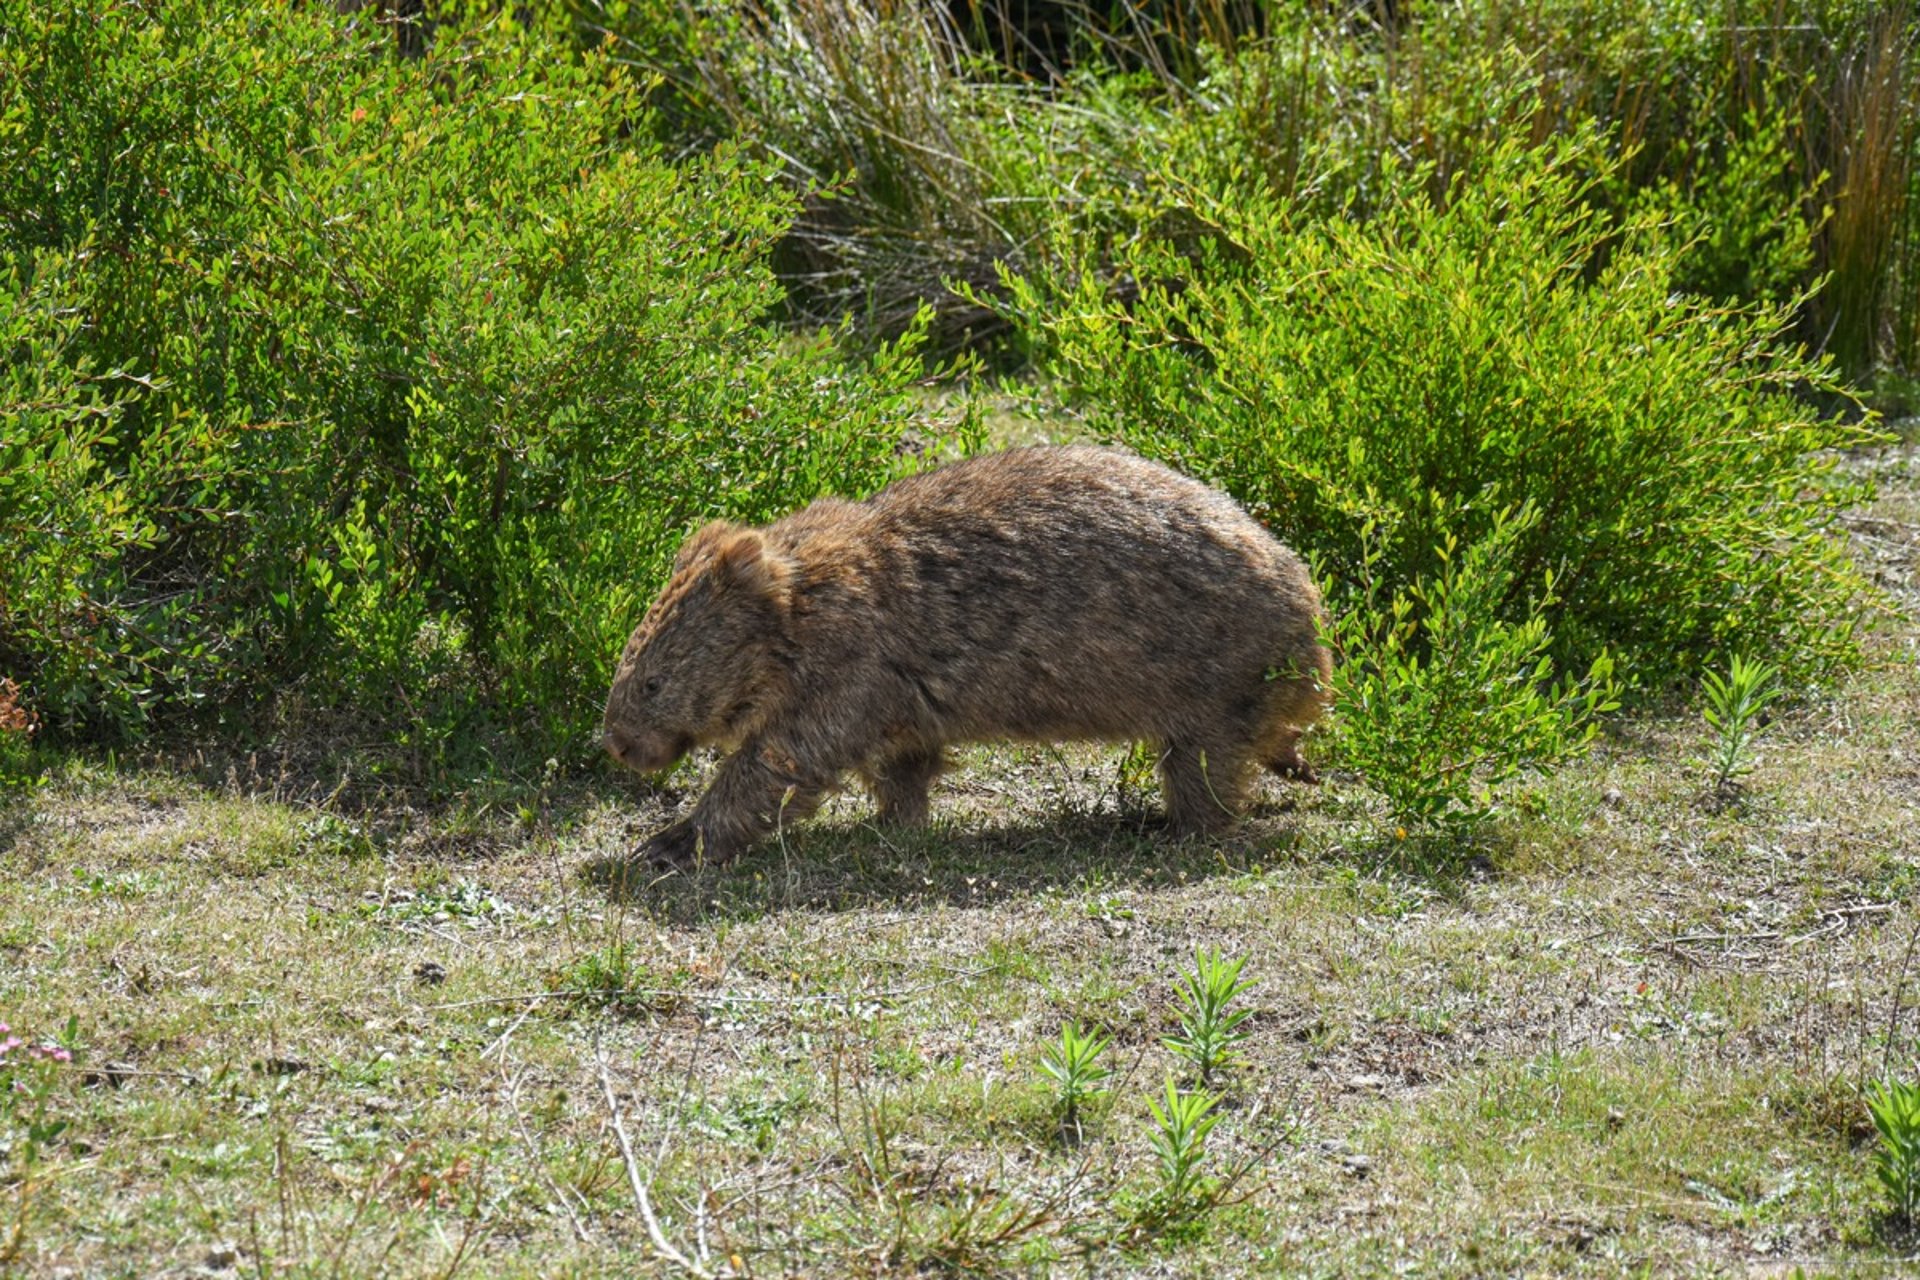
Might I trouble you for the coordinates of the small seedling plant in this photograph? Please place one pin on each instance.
(1735, 704)
(1896, 1115)
(1179, 1140)
(1074, 1064)
(1211, 1030)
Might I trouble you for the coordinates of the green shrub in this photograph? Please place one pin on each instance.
(1442, 698)
(17, 729)
(1786, 148)
(1738, 213)
(1378, 393)
(1790, 150)
(437, 361)
(65, 518)
(62, 519)
(1387, 395)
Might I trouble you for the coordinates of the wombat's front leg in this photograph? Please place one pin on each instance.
(757, 788)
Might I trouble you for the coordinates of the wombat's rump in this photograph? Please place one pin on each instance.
(1040, 594)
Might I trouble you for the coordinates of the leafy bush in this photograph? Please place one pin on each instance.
(1491, 420)
(1790, 150)
(1379, 393)
(1441, 698)
(437, 360)
(1787, 149)
(65, 518)
(17, 727)
(1745, 241)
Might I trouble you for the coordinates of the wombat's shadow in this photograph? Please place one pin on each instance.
(849, 865)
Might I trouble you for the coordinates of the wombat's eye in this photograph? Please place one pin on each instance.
(652, 686)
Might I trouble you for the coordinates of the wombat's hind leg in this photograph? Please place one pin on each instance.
(900, 783)
(1204, 787)
(1293, 705)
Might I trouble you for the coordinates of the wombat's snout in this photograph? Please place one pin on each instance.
(646, 751)
(618, 744)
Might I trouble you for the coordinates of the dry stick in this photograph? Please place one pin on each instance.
(259, 1253)
(686, 1091)
(282, 1185)
(1837, 916)
(466, 1235)
(1258, 1158)
(110, 1071)
(500, 1042)
(661, 1245)
(700, 1227)
(1760, 936)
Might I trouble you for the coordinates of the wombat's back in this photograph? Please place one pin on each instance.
(1060, 592)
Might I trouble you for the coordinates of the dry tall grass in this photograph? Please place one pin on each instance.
(937, 139)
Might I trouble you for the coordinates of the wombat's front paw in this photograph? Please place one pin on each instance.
(680, 845)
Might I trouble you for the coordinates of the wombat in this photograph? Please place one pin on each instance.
(1040, 594)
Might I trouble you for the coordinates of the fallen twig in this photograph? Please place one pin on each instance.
(1836, 918)
(500, 1042)
(661, 1245)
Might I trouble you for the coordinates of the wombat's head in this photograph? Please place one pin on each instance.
(701, 668)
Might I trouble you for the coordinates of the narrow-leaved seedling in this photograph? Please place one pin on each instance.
(1209, 1030)
(1073, 1064)
(1179, 1141)
(1734, 706)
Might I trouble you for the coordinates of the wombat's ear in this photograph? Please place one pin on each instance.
(744, 560)
(700, 543)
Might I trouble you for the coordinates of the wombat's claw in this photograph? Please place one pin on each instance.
(1298, 770)
(672, 849)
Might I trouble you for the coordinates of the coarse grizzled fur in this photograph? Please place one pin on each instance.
(1040, 594)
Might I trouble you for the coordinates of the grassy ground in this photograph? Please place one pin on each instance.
(1629, 1031)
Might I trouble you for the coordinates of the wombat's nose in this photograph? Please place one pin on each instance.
(617, 744)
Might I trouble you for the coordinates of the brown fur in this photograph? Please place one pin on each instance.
(1040, 594)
